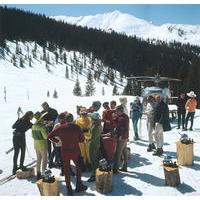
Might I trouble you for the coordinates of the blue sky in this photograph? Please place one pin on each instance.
(157, 13)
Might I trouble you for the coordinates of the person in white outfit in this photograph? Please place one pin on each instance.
(149, 112)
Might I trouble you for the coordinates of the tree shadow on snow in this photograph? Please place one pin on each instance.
(137, 161)
(184, 188)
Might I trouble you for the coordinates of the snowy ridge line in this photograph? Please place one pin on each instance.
(10, 177)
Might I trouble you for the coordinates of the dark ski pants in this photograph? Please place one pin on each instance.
(19, 143)
(190, 115)
(75, 157)
(181, 118)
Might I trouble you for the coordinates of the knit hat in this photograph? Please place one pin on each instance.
(95, 116)
(191, 94)
(97, 105)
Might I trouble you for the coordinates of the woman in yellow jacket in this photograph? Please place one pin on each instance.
(85, 123)
(190, 107)
(39, 134)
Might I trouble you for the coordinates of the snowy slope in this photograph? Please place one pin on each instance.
(132, 26)
(145, 176)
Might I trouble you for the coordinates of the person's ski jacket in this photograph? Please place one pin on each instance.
(85, 124)
(122, 126)
(108, 120)
(21, 126)
(70, 135)
(191, 105)
(162, 115)
(181, 105)
(39, 134)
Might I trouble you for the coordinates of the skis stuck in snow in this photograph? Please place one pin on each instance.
(12, 176)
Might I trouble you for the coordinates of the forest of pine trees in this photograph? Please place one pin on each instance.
(128, 55)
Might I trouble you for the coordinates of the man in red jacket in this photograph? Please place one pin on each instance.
(69, 135)
(122, 134)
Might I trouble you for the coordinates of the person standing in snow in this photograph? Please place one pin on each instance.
(49, 121)
(39, 135)
(122, 134)
(181, 101)
(19, 139)
(69, 135)
(136, 113)
(190, 106)
(161, 119)
(149, 112)
(84, 122)
(96, 130)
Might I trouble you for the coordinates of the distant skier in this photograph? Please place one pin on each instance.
(19, 139)
(190, 106)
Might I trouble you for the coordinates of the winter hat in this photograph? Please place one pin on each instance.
(191, 94)
(95, 116)
(96, 104)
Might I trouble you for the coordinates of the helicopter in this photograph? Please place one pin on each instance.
(154, 90)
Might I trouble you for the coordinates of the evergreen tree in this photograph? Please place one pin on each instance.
(77, 89)
(21, 63)
(90, 88)
(115, 92)
(66, 72)
(103, 91)
(48, 93)
(55, 94)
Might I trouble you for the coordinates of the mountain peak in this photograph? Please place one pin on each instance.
(132, 26)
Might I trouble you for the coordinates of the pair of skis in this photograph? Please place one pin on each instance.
(11, 177)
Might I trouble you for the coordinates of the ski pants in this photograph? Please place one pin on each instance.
(19, 143)
(150, 127)
(121, 150)
(190, 115)
(158, 135)
(181, 118)
(84, 148)
(42, 155)
(75, 157)
(135, 117)
(94, 150)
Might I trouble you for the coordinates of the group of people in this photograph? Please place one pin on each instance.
(81, 139)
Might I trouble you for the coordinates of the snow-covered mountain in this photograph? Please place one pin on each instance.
(132, 26)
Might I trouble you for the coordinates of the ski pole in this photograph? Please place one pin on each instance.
(9, 150)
